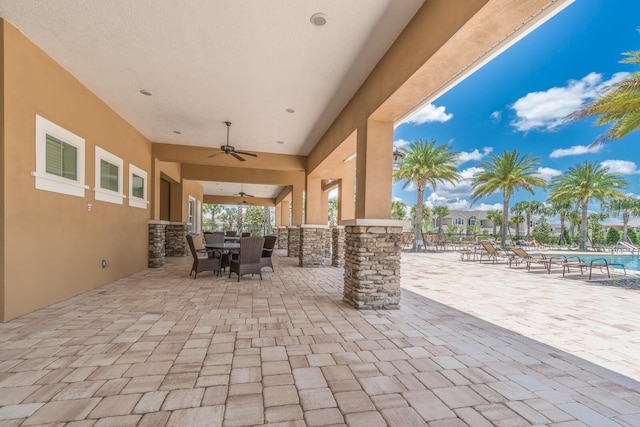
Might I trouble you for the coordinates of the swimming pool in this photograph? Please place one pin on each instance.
(630, 262)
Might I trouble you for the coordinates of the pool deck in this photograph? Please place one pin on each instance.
(471, 345)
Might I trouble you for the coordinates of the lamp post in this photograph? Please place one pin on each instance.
(397, 159)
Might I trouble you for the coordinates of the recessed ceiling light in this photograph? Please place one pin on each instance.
(280, 142)
(177, 132)
(146, 92)
(290, 110)
(318, 19)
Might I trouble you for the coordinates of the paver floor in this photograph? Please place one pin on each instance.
(160, 348)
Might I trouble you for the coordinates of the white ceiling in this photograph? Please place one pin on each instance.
(209, 61)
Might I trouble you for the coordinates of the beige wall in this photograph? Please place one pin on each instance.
(52, 244)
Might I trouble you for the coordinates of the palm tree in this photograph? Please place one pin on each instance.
(440, 212)
(528, 208)
(239, 217)
(562, 208)
(619, 106)
(516, 220)
(495, 216)
(398, 209)
(228, 216)
(507, 172)
(333, 212)
(583, 182)
(627, 206)
(424, 164)
(575, 218)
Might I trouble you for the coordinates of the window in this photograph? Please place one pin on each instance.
(137, 187)
(472, 221)
(191, 211)
(108, 177)
(59, 159)
(459, 221)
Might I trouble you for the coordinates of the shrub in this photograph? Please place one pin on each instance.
(633, 236)
(613, 236)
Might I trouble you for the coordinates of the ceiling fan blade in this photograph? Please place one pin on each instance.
(236, 156)
(247, 154)
(215, 154)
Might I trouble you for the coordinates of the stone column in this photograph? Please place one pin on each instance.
(372, 263)
(283, 237)
(176, 241)
(293, 245)
(312, 245)
(337, 251)
(156, 243)
(328, 236)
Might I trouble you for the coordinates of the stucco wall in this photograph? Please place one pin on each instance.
(53, 244)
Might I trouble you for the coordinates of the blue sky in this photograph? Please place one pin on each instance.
(518, 101)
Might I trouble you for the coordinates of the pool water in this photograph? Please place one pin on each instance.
(630, 262)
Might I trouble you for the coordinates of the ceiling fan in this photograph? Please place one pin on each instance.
(242, 193)
(230, 149)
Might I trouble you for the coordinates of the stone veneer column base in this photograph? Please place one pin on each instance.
(293, 245)
(313, 242)
(176, 239)
(337, 243)
(372, 263)
(156, 243)
(283, 238)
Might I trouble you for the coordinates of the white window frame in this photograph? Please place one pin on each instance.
(191, 215)
(199, 218)
(459, 221)
(49, 182)
(134, 201)
(104, 194)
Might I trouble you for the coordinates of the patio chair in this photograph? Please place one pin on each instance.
(231, 233)
(492, 252)
(201, 264)
(245, 234)
(248, 261)
(215, 239)
(267, 251)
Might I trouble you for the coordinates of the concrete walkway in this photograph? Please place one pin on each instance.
(160, 348)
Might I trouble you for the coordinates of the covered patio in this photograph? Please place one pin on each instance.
(159, 347)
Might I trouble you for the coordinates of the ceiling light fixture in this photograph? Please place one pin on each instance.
(350, 157)
(177, 132)
(319, 19)
(146, 92)
(280, 142)
(290, 110)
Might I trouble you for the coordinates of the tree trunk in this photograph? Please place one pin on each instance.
(528, 219)
(418, 224)
(561, 241)
(625, 222)
(239, 217)
(583, 227)
(505, 220)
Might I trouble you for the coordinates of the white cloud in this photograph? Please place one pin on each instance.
(400, 143)
(457, 203)
(548, 173)
(623, 167)
(576, 150)
(546, 110)
(475, 155)
(496, 116)
(429, 113)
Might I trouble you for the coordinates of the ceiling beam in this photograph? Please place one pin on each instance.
(232, 174)
(200, 156)
(233, 200)
(283, 194)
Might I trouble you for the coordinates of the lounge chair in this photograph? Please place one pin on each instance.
(202, 264)
(491, 252)
(520, 256)
(248, 261)
(600, 263)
